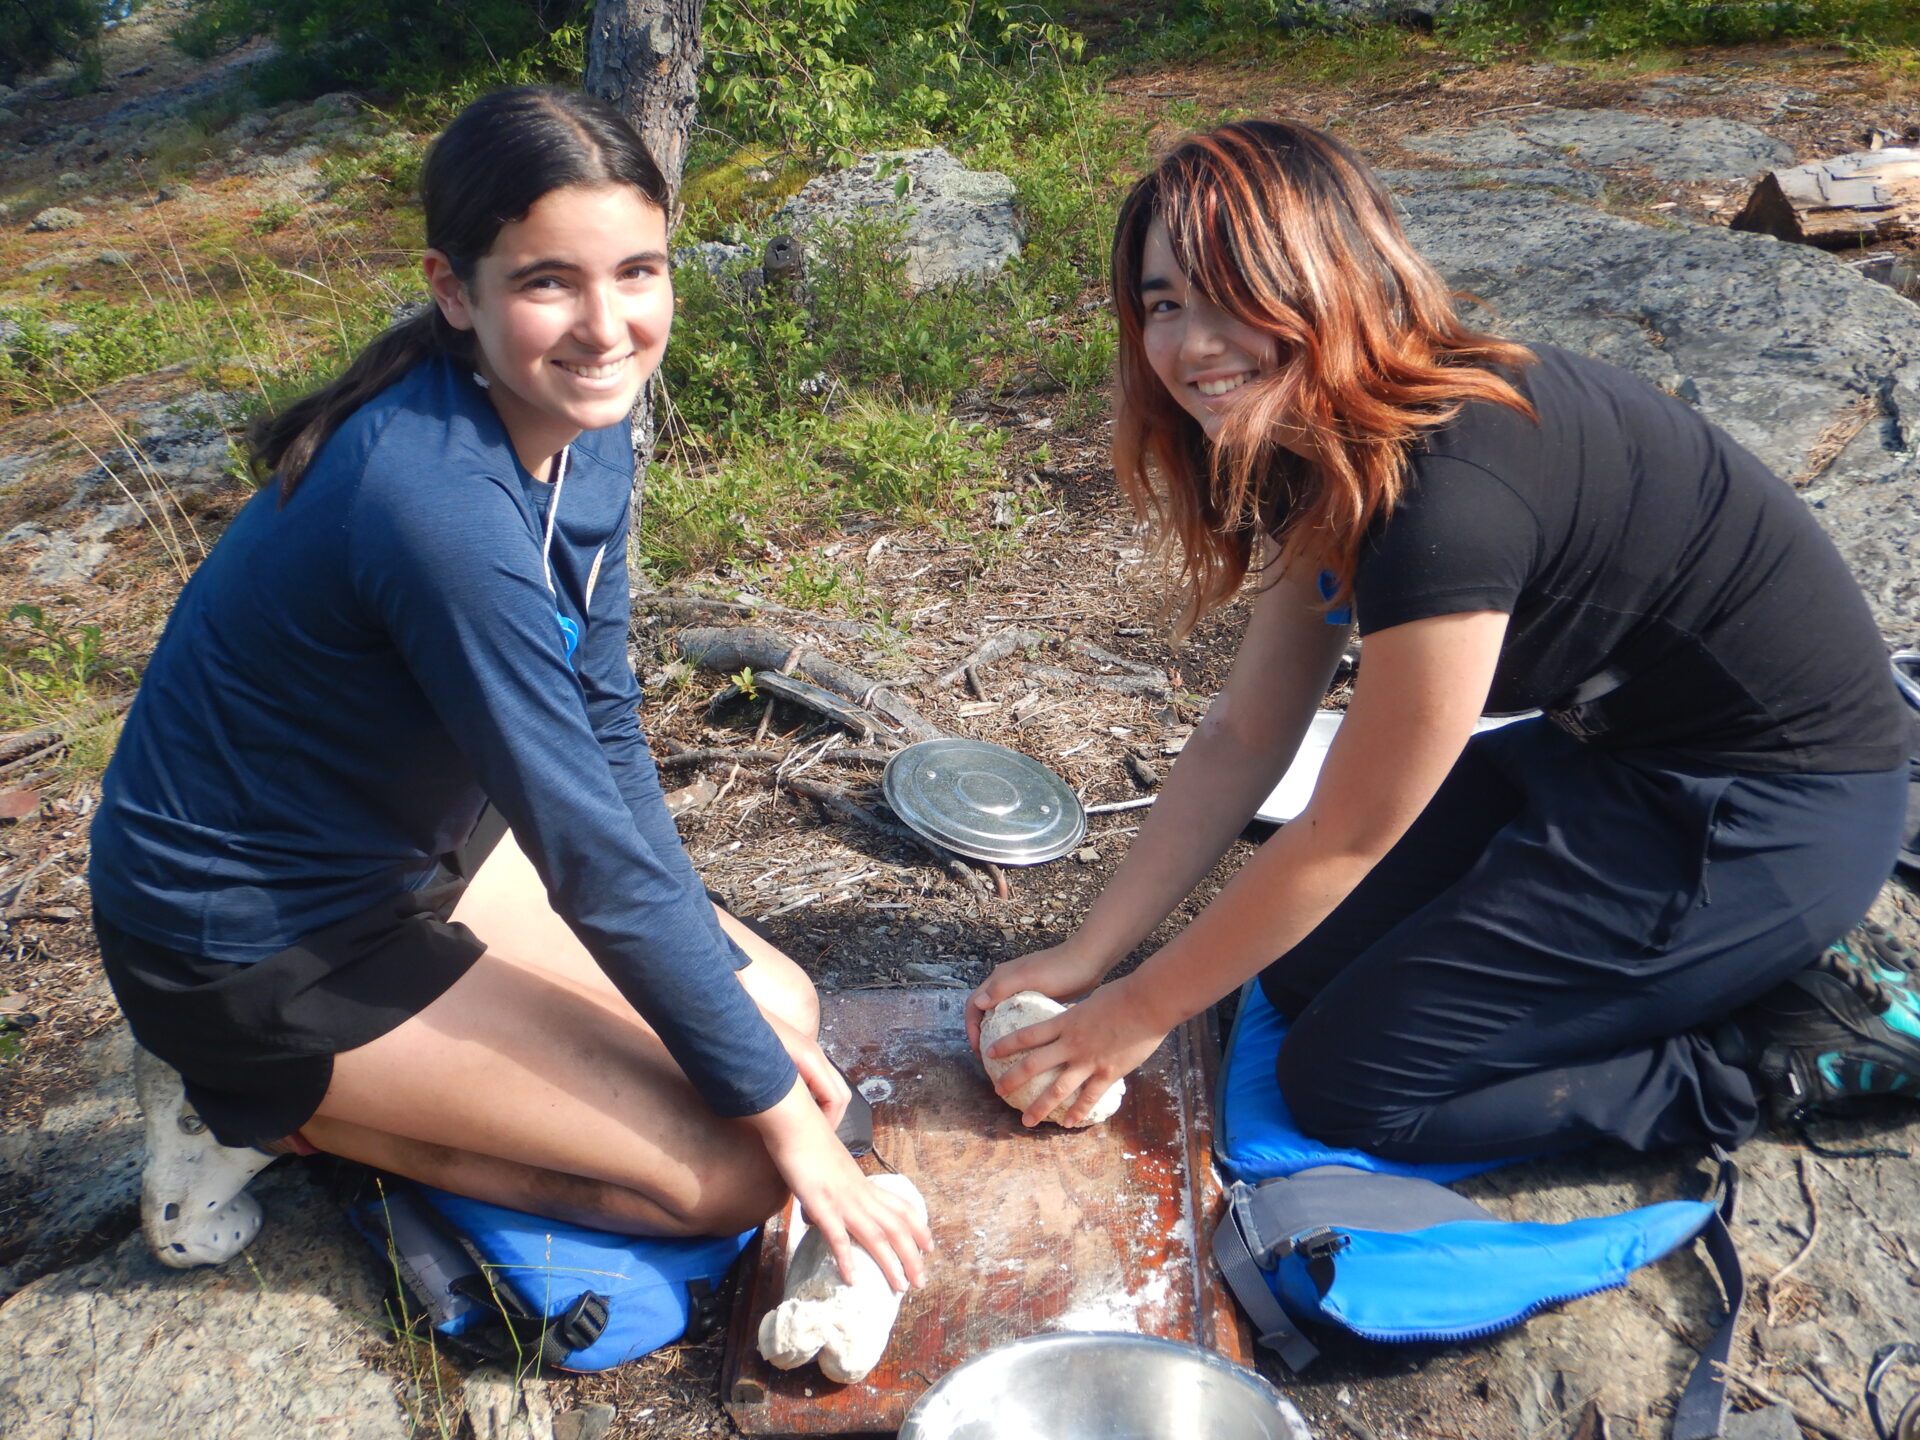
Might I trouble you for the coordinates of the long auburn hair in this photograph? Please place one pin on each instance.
(1288, 232)
(488, 168)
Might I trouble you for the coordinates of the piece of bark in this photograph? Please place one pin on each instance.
(997, 646)
(1863, 198)
(691, 797)
(822, 702)
(1017, 1012)
(1144, 775)
(846, 1326)
(733, 648)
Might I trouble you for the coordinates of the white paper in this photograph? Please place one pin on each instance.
(1290, 796)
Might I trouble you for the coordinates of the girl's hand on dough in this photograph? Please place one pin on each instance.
(838, 1201)
(1102, 1039)
(1061, 972)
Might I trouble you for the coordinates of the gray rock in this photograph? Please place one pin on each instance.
(1776, 1422)
(57, 217)
(1778, 344)
(1550, 177)
(84, 1156)
(58, 559)
(7, 117)
(269, 1345)
(507, 1407)
(174, 191)
(71, 180)
(959, 224)
(114, 257)
(713, 256)
(589, 1422)
(1677, 150)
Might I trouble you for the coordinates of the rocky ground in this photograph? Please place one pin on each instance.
(1582, 207)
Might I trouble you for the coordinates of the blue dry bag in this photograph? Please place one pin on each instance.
(526, 1291)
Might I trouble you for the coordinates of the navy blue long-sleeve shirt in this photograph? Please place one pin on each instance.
(349, 677)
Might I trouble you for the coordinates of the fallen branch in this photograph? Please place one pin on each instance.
(1128, 684)
(996, 647)
(686, 609)
(1107, 657)
(731, 649)
(680, 759)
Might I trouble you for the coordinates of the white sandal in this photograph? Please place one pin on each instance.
(193, 1202)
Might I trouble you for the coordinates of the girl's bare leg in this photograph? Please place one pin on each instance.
(532, 1083)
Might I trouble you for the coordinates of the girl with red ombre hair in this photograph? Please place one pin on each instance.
(1599, 922)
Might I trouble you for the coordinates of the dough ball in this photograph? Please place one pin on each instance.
(1016, 1012)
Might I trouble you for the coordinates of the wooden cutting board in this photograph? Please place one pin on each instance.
(1035, 1230)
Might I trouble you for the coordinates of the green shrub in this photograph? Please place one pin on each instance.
(1618, 27)
(407, 45)
(34, 33)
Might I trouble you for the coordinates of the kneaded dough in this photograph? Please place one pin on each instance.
(846, 1326)
(1016, 1012)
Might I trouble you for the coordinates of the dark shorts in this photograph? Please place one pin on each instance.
(255, 1042)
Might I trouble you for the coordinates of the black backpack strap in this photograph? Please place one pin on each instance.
(1236, 1243)
(509, 1332)
(1701, 1413)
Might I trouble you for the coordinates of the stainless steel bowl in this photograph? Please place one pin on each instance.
(1102, 1387)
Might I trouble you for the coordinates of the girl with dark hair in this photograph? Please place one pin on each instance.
(382, 867)
(1500, 943)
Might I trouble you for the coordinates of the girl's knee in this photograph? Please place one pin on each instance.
(729, 1198)
(1328, 1104)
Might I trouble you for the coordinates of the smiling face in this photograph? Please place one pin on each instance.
(570, 310)
(1203, 355)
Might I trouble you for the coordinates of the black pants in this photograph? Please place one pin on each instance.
(1535, 964)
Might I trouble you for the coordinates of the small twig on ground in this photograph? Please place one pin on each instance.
(995, 647)
(973, 683)
(1138, 804)
(1773, 1397)
(1144, 775)
(1813, 1234)
(766, 719)
(1000, 886)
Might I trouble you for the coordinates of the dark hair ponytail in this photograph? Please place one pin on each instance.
(488, 168)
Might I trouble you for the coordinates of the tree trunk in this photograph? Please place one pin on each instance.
(643, 56)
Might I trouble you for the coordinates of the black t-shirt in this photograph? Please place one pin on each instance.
(1636, 546)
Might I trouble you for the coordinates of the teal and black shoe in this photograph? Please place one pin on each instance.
(1846, 1029)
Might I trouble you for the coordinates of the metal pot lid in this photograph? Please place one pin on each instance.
(984, 801)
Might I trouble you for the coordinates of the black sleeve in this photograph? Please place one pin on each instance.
(1460, 540)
